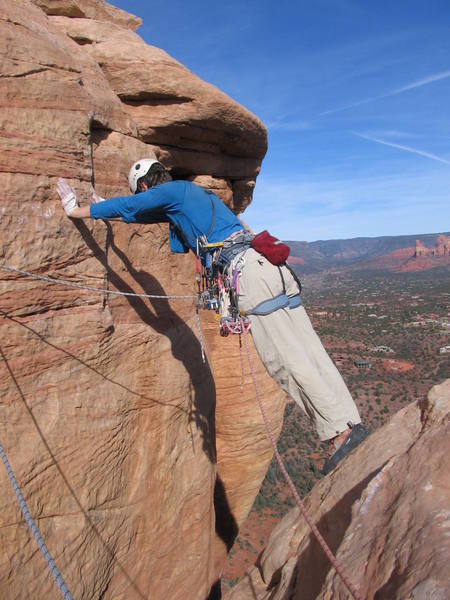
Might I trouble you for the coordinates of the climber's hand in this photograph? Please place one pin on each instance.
(68, 196)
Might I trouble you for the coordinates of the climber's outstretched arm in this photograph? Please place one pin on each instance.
(81, 212)
(70, 203)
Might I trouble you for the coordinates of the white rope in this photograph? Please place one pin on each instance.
(92, 289)
(200, 336)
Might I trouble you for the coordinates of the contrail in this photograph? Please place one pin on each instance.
(348, 106)
(420, 83)
(400, 90)
(402, 147)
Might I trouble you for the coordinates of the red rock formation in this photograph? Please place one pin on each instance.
(442, 248)
(421, 249)
(410, 259)
(137, 460)
(89, 9)
(383, 511)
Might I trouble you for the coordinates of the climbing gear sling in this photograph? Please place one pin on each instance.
(217, 276)
(266, 307)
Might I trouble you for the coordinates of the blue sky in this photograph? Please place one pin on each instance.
(355, 96)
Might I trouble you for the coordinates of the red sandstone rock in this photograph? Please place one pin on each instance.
(199, 129)
(442, 248)
(137, 460)
(89, 9)
(421, 249)
(409, 259)
(383, 511)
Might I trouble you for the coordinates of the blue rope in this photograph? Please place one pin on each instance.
(32, 525)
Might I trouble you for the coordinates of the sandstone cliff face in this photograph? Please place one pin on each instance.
(137, 460)
(383, 511)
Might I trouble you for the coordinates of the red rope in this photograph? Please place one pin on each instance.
(339, 569)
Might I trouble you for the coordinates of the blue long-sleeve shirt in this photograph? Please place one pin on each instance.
(186, 206)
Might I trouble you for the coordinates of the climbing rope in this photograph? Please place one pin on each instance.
(113, 292)
(91, 289)
(200, 335)
(32, 525)
(339, 569)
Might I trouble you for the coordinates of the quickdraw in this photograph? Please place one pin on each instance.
(218, 288)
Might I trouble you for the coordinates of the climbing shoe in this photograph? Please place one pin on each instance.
(343, 444)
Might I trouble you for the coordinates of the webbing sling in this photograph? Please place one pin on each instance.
(266, 307)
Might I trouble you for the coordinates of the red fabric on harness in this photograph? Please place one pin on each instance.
(273, 249)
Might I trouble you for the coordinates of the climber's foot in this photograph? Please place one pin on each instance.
(343, 444)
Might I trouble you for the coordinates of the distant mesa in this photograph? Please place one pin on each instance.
(442, 248)
(403, 253)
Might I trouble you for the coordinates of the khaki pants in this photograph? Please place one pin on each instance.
(291, 350)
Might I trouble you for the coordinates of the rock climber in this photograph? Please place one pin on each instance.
(283, 335)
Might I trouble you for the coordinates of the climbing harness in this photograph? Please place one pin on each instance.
(217, 276)
(336, 564)
(35, 531)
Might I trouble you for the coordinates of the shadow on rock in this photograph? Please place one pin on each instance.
(226, 528)
(313, 565)
(160, 317)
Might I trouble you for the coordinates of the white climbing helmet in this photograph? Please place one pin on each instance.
(138, 170)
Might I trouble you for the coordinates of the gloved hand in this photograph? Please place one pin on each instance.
(95, 197)
(68, 197)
